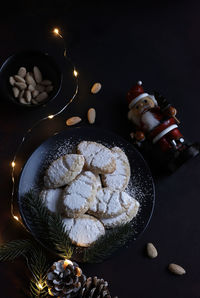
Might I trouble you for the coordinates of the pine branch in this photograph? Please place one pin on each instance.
(36, 215)
(14, 249)
(61, 240)
(46, 226)
(38, 265)
(49, 228)
(108, 243)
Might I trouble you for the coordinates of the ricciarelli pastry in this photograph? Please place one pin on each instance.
(63, 170)
(78, 196)
(119, 179)
(84, 230)
(98, 158)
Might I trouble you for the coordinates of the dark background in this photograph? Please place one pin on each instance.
(118, 43)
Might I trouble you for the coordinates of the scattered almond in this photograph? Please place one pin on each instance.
(73, 120)
(22, 72)
(96, 88)
(37, 74)
(91, 115)
(151, 251)
(176, 269)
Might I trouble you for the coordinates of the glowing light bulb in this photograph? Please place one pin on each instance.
(16, 217)
(56, 31)
(13, 164)
(50, 116)
(75, 73)
(40, 286)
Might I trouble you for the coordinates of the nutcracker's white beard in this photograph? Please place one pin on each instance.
(147, 119)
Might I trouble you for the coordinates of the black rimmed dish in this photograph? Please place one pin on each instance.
(28, 59)
(141, 184)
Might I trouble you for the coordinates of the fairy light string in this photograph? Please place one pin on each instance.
(75, 73)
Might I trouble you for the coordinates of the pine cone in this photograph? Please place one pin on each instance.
(95, 288)
(65, 279)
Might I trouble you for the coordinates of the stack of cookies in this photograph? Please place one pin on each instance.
(87, 189)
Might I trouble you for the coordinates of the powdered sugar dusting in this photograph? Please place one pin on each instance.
(98, 157)
(85, 230)
(139, 186)
(118, 180)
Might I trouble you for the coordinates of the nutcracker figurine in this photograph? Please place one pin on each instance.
(156, 130)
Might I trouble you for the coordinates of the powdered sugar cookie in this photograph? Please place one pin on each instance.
(79, 194)
(63, 170)
(109, 203)
(52, 199)
(98, 182)
(98, 158)
(119, 179)
(123, 218)
(84, 230)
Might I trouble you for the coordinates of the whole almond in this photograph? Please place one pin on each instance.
(49, 88)
(37, 74)
(176, 269)
(22, 100)
(21, 94)
(35, 93)
(31, 88)
(15, 92)
(28, 96)
(22, 72)
(30, 80)
(12, 81)
(19, 79)
(46, 82)
(73, 121)
(96, 88)
(40, 88)
(91, 115)
(151, 251)
(34, 101)
(21, 86)
(42, 96)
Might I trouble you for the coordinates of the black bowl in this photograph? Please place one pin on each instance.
(29, 59)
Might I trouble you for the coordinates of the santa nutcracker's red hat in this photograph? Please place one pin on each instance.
(135, 94)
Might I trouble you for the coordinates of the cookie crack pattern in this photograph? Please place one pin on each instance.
(96, 152)
(65, 164)
(77, 193)
(107, 206)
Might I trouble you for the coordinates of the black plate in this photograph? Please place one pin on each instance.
(141, 182)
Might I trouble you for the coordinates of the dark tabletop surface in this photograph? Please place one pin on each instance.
(118, 44)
